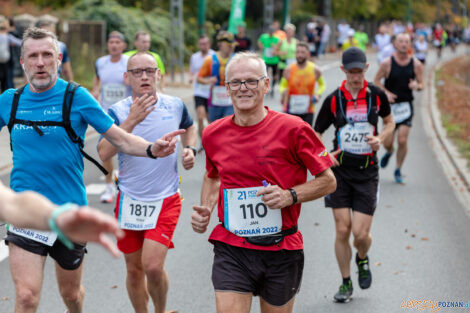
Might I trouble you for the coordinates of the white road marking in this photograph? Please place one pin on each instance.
(3, 251)
(95, 189)
(329, 66)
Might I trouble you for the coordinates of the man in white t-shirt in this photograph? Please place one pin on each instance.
(201, 92)
(381, 40)
(148, 204)
(109, 88)
(342, 33)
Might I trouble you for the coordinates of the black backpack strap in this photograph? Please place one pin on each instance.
(66, 109)
(14, 108)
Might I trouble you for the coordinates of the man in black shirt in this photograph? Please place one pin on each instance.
(243, 42)
(403, 73)
(354, 109)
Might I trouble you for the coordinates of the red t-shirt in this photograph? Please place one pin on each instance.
(279, 149)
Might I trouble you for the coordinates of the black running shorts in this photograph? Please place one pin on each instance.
(273, 275)
(360, 195)
(67, 259)
(198, 101)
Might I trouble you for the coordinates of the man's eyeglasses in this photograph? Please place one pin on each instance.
(137, 72)
(250, 84)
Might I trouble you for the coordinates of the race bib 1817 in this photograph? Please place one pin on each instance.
(138, 215)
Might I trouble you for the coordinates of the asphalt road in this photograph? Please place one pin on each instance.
(420, 247)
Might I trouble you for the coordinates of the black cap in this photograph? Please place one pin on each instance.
(354, 58)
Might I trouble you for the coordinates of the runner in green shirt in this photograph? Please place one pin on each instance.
(142, 43)
(288, 47)
(269, 45)
(361, 38)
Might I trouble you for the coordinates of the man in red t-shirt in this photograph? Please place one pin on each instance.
(256, 173)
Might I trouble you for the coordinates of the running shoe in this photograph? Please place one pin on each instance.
(398, 177)
(108, 194)
(365, 276)
(344, 293)
(384, 160)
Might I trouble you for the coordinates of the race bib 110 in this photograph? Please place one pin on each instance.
(246, 215)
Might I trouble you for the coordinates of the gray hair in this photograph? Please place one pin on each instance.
(246, 56)
(39, 33)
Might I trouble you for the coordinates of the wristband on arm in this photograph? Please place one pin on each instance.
(53, 225)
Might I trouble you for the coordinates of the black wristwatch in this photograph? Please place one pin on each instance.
(192, 148)
(294, 195)
(149, 152)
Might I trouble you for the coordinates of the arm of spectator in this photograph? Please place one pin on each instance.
(14, 41)
(137, 146)
(29, 209)
(67, 71)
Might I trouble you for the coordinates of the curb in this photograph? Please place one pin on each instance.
(455, 167)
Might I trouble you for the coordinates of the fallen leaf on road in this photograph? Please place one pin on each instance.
(378, 263)
(113, 286)
(413, 235)
(395, 273)
(409, 247)
(406, 230)
(316, 224)
(5, 299)
(424, 238)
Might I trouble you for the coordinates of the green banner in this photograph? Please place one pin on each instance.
(237, 15)
(201, 16)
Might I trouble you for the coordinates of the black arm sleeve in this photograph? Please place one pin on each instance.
(325, 117)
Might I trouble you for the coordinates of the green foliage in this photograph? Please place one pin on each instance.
(218, 11)
(128, 21)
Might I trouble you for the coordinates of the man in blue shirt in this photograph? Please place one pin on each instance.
(46, 160)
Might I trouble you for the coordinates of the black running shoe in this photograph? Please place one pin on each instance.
(344, 293)
(384, 160)
(365, 276)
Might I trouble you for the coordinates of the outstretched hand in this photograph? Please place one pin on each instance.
(86, 224)
(167, 144)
